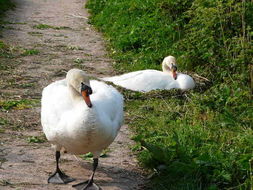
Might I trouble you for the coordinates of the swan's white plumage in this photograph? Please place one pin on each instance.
(144, 81)
(147, 80)
(68, 122)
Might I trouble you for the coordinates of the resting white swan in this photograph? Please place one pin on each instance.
(147, 80)
(80, 116)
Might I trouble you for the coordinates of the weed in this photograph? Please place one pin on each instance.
(36, 139)
(46, 26)
(78, 60)
(26, 85)
(74, 48)
(2, 130)
(89, 156)
(5, 50)
(4, 182)
(6, 105)
(42, 26)
(35, 33)
(3, 121)
(28, 52)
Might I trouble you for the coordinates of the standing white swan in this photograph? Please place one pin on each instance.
(80, 116)
(147, 80)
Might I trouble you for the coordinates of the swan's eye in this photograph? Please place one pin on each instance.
(85, 87)
(174, 67)
(89, 90)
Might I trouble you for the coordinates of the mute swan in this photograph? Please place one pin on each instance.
(147, 80)
(80, 116)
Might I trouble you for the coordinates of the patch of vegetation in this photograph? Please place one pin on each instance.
(18, 82)
(79, 63)
(46, 26)
(28, 52)
(35, 33)
(36, 139)
(74, 48)
(201, 138)
(7, 55)
(2, 130)
(89, 156)
(5, 51)
(204, 36)
(5, 183)
(43, 26)
(18, 104)
(198, 140)
(4, 6)
(78, 60)
(27, 85)
(3, 121)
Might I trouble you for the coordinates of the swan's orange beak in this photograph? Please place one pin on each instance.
(86, 98)
(174, 74)
(174, 71)
(86, 91)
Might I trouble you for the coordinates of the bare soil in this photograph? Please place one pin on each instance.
(69, 42)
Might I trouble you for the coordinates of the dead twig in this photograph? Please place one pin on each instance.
(198, 76)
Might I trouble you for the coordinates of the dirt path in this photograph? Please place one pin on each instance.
(54, 36)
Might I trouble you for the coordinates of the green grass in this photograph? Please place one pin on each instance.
(35, 33)
(202, 139)
(7, 55)
(198, 140)
(3, 122)
(28, 52)
(5, 50)
(4, 6)
(89, 156)
(36, 139)
(46, 26)
(6, 105)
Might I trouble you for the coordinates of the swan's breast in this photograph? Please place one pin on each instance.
(185, 81)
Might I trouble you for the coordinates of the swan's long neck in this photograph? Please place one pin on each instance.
(74, 94)
(166, 68)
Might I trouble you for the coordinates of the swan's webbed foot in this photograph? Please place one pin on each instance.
(87, 185)
(60, 178)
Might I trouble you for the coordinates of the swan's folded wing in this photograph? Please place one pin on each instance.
(109, 104)
(143, 81)
(55, 99)
(124, 77)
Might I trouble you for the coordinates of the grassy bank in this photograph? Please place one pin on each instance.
(201, 139)
(4, 6)
(4, 49)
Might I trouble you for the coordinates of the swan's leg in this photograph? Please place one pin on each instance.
(58, 176)
(89, 185)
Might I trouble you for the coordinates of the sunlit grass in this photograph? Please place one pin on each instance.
(6, 105)
(201, 139)
(46, 26)
(28, 52)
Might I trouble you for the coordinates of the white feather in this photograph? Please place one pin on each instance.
(68, 122)
(147, 80)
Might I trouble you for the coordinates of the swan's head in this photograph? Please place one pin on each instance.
(78, 80)
(169, 65)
